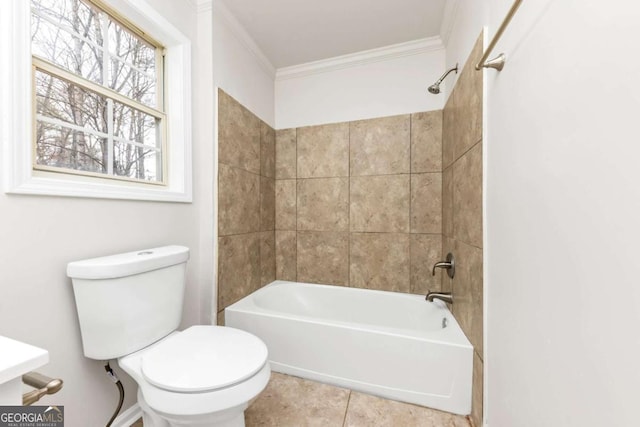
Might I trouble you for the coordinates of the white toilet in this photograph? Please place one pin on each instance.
(129, 307)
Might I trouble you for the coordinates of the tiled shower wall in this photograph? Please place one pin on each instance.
(359, 204)
(462, 209)
(370, 204)
(246, 202)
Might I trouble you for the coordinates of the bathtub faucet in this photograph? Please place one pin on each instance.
(442, 296)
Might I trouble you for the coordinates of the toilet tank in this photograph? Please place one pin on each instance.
(127, 301)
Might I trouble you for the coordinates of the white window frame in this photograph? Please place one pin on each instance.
(16, 112)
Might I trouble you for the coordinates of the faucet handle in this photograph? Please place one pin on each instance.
(449, 264)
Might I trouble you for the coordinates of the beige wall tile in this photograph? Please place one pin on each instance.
(469, 102)
(267, 150)
(286, 255)
(365, 411)
(323, 257)
(238, 267)
(323, 151)
(238, 201)
(267, 257)
(447, 202)
(286, 204)
(477, 392)
(380, 261)
(380, 146)
(426, 203)
(467, 197)
(380, 203)
(426, 142)
(294, 402)
(285, 153)
(323, 204)
(448, 246)
(426, 250)
(450, 123)
(238, 135)
(468, 291)
(220, 318)
(267, 204)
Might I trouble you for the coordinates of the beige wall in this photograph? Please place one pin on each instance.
(462, 209)
(359, 203)
(246, 202)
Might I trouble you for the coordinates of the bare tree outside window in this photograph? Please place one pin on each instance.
(98, 93)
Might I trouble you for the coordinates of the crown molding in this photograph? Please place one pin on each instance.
(241, 34)
(203, 5)
(200, 6)
(448, 19)
(414, 47)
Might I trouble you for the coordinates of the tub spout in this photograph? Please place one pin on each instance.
(442, 296)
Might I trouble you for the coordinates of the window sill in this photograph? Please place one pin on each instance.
(48, 184)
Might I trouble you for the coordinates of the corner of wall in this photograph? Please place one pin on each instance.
(241, 69)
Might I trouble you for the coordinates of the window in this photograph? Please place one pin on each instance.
(98, 93)
(95, 101)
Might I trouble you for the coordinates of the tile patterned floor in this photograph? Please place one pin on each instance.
(295, 402)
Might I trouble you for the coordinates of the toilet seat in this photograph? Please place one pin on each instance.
(203, 358)
(173, 403)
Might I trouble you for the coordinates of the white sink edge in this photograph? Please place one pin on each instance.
(18, 358)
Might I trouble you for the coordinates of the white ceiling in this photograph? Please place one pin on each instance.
(292, 32)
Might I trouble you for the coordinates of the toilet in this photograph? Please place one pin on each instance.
(129, 308)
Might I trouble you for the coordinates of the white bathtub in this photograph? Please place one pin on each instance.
(384, 343)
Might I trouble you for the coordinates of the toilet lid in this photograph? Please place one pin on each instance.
(204, 358)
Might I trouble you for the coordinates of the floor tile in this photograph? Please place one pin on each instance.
(294, 402)
(367, 411)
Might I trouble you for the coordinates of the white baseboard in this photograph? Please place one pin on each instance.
(128, 417)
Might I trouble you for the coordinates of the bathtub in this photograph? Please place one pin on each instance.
(389, 344)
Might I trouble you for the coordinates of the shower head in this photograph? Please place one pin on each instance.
(435, 88)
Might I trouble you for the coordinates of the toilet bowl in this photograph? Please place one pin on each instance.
(204, 375)
(129, 308)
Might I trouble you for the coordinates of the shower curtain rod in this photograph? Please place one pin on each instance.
(497, 63)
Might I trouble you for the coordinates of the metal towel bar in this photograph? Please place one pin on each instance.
(497, 63)
(43, 385)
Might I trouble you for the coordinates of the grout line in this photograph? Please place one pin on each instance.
(325, 231)
(410, 199)
(387, 174)
(328, 177)
(468, 244)
(349, 217)
(387, 232)
(242, 234)
(363, 232)
(466, 151)
(346, 410)
(296, 199)
(260, 204)
(359, 176)
(239, 168)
